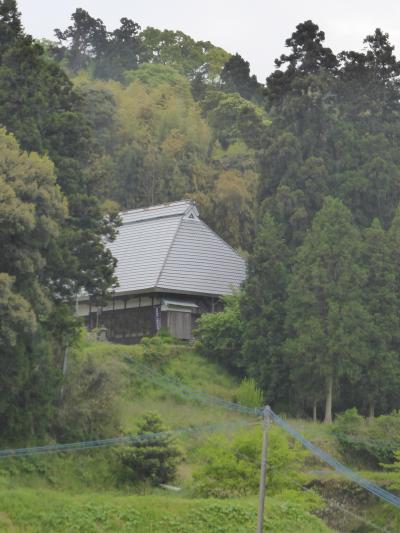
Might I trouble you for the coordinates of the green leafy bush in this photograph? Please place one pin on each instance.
(89, 408)
(369, 441)
(160, 349)
(231, 467)
(249, 394)
(394, 468)
(154, 460)
(219, 335)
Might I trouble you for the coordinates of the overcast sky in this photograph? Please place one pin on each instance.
(256, 29)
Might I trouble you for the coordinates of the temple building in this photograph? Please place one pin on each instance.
(171, 268)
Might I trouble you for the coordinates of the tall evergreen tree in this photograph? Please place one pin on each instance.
(85, 38)
(236, 77)
(263, 311)
(370, 82)
(87, 43)
(335, 129)
(307, 56)
(40, 107)
(326, 318)
(381, 367)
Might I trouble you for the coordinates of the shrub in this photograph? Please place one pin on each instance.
(371, 441)
(395, 468)
(219, 335)
(249, 394)
(160, 349)
(231, 467)
(154, 460)
(89, 409)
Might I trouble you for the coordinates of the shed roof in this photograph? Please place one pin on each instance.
(167, 248)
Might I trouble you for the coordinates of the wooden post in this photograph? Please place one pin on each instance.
(263, 474)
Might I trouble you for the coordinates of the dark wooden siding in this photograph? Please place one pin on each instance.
(128, 326)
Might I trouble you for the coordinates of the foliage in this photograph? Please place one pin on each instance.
(89, 407)
(88, 43)
(105, 395)
(154, 460)
(92, 469)
(229, 467)
(32, 211)
(154, 116)
(219, 335)
(39, 105)
(325, 140)
(249, 394)
(380, 373)
(263, 312)
(395, 469)
(372, 441)
(183, 53)
(326, 318)
(232, 115)
(151, 142)
(37, 511)
(329, 137)
(160, 349)
(235, 77)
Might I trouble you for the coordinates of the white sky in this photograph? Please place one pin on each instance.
(256, 29)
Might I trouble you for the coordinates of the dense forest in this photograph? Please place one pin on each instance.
(301, 174)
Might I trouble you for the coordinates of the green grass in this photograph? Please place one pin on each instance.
(176, 361)
(95, 469)
(79, 491)
(25, 510)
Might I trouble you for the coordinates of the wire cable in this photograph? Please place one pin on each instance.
(336, 465)
(188, 392)
(326, 457)
(333, 503)
(129, 439)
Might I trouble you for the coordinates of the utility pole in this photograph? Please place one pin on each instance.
(263, 474)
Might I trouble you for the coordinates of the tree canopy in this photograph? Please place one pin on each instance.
(301, 174)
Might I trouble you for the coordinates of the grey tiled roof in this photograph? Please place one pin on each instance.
(160, 248)
(155, 211)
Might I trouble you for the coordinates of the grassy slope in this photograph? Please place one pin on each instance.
(183, 365)
(44, 511)
(77, 491)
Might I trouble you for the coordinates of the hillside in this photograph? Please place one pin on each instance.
(81, 489)
(88, 489)
(36, 511)
(301, 175)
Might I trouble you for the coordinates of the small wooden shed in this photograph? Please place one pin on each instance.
(171, 268)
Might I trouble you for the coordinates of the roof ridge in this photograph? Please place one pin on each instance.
(168, 252)
(157, 206)
(142, 220)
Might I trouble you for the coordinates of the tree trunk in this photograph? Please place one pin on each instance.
(328, 400)
(371, 410)
(64, 371)
(314, 411)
